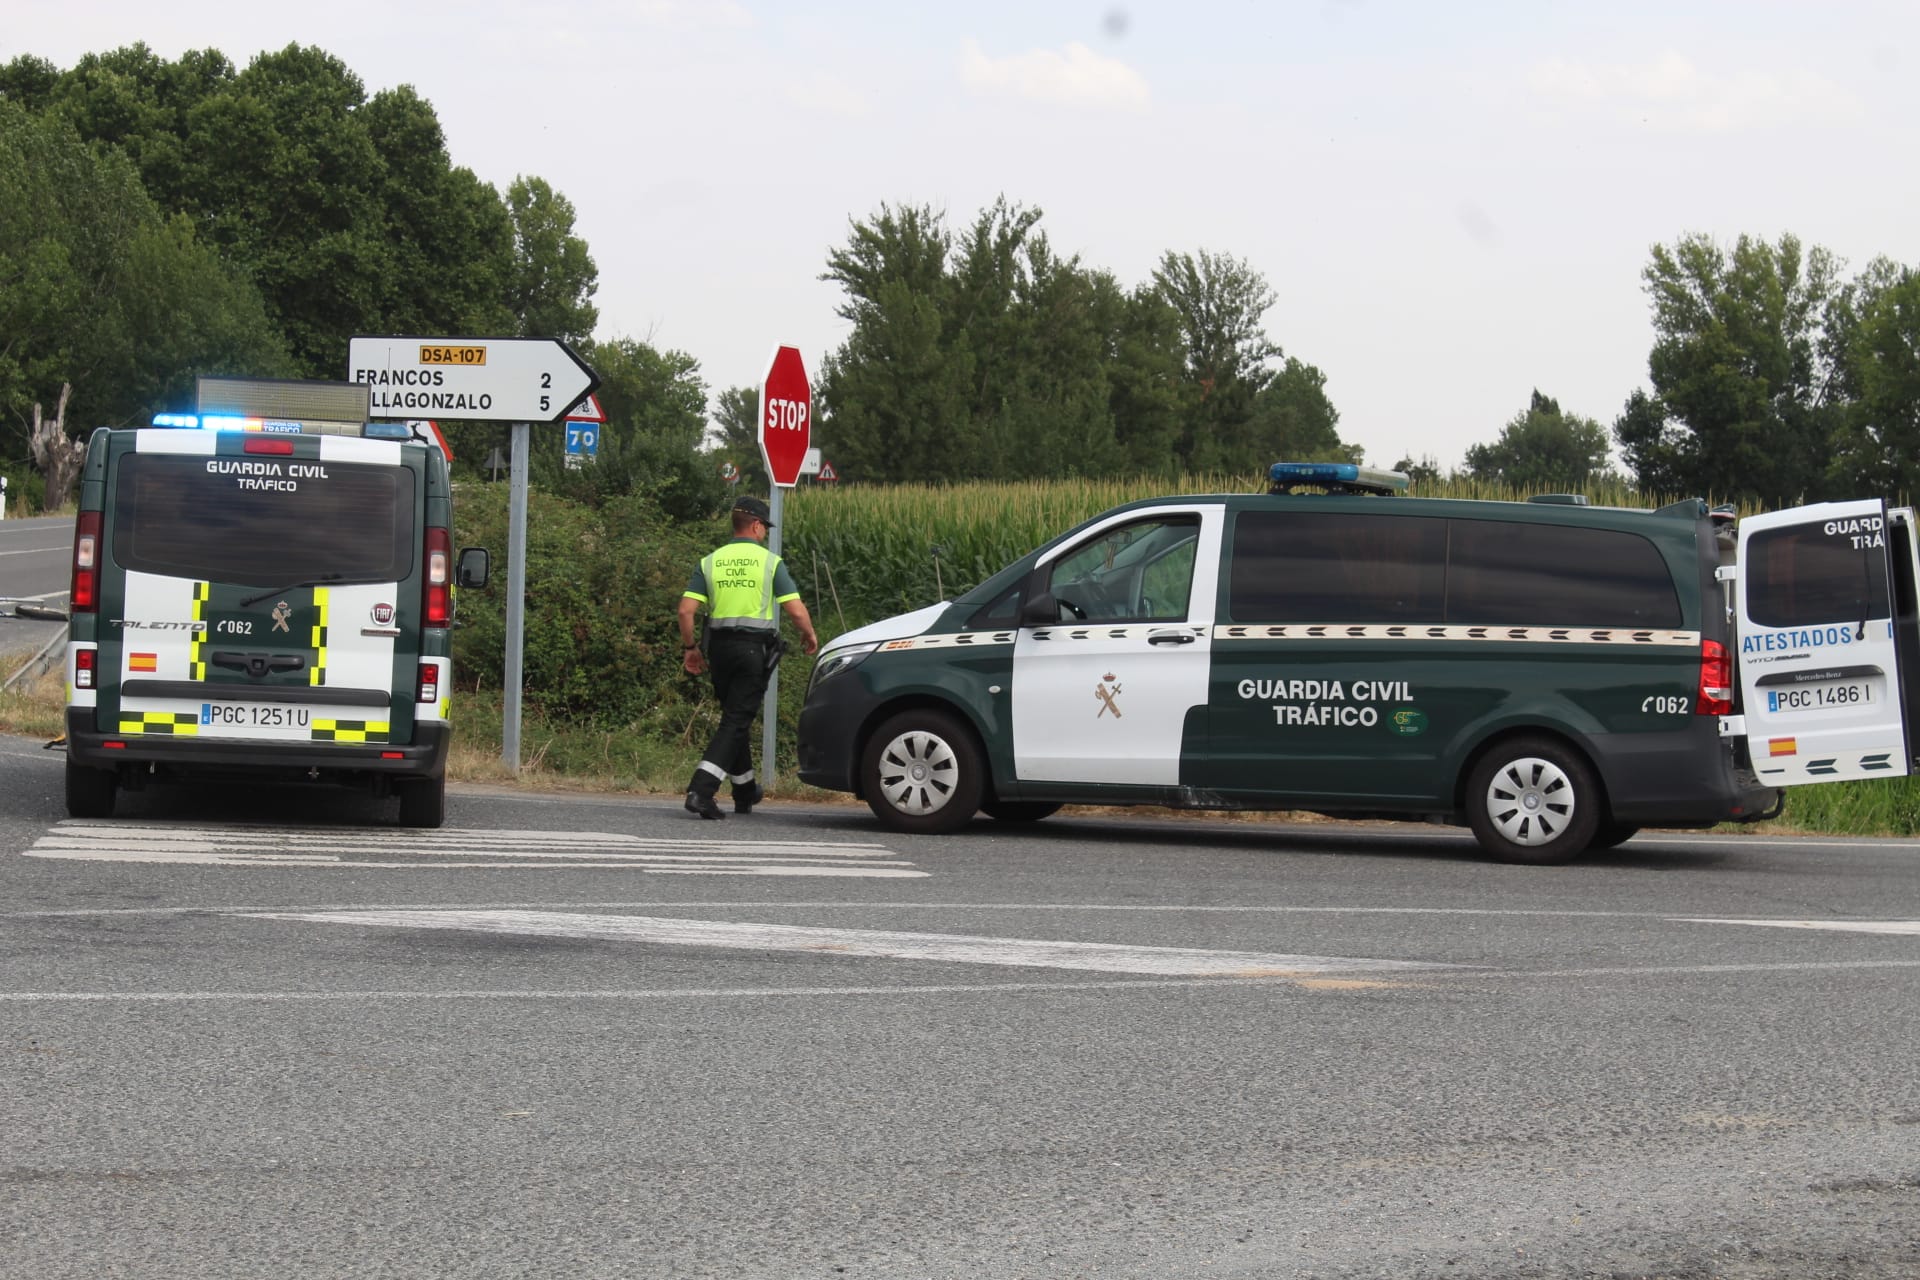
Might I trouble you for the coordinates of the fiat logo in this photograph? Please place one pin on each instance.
(382, 615)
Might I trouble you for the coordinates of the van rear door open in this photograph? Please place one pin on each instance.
(1824, 636)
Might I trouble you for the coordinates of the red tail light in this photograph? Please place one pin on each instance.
(83, 661)
(268, 444)
(427, 684)
(436, 606)
(85, 595)
(1716, 681)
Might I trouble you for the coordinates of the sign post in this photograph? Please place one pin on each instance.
(786, 427)
(513, 380)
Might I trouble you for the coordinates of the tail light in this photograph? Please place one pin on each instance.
(1716, 681)
(436, 606)
(83, 660)
(427, 684)
(85, 594)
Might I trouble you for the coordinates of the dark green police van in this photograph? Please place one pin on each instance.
(1554, 675)
(263, 588)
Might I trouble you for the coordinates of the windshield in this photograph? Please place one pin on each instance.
(263, 522)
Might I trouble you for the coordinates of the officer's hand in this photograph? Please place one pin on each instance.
(694, 661)
(810, 644)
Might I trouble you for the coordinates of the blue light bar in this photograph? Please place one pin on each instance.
(176, 420)
(1334, 477)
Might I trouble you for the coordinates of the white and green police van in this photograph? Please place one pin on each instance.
(1554, 675)
(263, 588)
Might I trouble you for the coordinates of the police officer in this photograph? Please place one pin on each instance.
(740, 583)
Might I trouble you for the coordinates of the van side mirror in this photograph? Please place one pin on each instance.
(1040, 611)
(471, 570)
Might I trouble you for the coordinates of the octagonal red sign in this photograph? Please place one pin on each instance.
(786, 416)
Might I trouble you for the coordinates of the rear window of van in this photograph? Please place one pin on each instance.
(259, 525)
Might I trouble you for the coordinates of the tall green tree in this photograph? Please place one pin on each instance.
(1738, 365)
(1220, 301)
(1875, 339)
(99, 289)
(1542, 450)
(553, 275)
(737, 415)
(1293, 419)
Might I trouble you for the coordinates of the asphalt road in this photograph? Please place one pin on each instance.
(257, 1032)
(35, 567)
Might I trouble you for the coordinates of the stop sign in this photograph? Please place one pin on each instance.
(786, 416)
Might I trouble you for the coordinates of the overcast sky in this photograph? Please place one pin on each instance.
(1453, 202)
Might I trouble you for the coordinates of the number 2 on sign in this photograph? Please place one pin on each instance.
(786, 415)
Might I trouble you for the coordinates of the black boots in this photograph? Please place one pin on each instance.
(701, 802)
(744, 798)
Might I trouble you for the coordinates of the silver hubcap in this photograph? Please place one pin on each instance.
(917, 773)
(1531, 801)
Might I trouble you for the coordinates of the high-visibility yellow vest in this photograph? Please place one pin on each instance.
(740, 587)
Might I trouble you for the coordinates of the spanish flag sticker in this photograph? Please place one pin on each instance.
(143, 662)
(1781, 747)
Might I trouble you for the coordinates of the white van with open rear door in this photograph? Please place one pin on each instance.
(1829, 641)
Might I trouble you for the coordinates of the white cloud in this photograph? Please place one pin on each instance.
(1076, 76)
(1673, 94)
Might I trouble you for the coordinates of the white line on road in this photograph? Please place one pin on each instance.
(391, 848)
(1843, 926)
(960, 948)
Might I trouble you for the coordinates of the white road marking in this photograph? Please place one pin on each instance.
(960, 948)
(1843, 926)
(389, 847)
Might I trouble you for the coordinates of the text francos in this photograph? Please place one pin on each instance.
(266, 475)
(417, 389)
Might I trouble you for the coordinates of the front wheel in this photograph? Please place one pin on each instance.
(923, 772)
(1533, 801)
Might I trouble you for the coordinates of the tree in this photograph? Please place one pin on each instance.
(1293, 420)
(1875, 336)
(553, 275)
(737, 412)
(1220, 301)
(1542, 450)
(101, 291)
(1738, 364)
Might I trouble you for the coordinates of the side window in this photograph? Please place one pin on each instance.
(1502, 573)
(1140, 572)
(1803, 576)
(1321, 566)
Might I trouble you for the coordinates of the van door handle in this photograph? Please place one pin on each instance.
(1171, 637)
(258, 665)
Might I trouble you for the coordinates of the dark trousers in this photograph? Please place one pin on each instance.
(738, 665)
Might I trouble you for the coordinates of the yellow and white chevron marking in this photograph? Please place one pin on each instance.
(197, 645)
(317, 673)
(374, 847)
(1039, 953)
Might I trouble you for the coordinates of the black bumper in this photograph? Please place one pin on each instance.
(829, 733)
(424, 757)
(1688, 778)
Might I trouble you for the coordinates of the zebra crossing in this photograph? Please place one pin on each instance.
(362, 848)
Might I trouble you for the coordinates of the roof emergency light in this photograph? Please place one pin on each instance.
(1334, 477)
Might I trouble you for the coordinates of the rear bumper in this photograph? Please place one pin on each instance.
(1687, 778)
(424, 757)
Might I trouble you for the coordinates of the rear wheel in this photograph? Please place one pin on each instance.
(923, 772)
(423, 802)
(1533, 801)
(90, 792)
(1018, 810)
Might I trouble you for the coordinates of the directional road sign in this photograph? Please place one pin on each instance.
(786, 416)
(482, 379)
